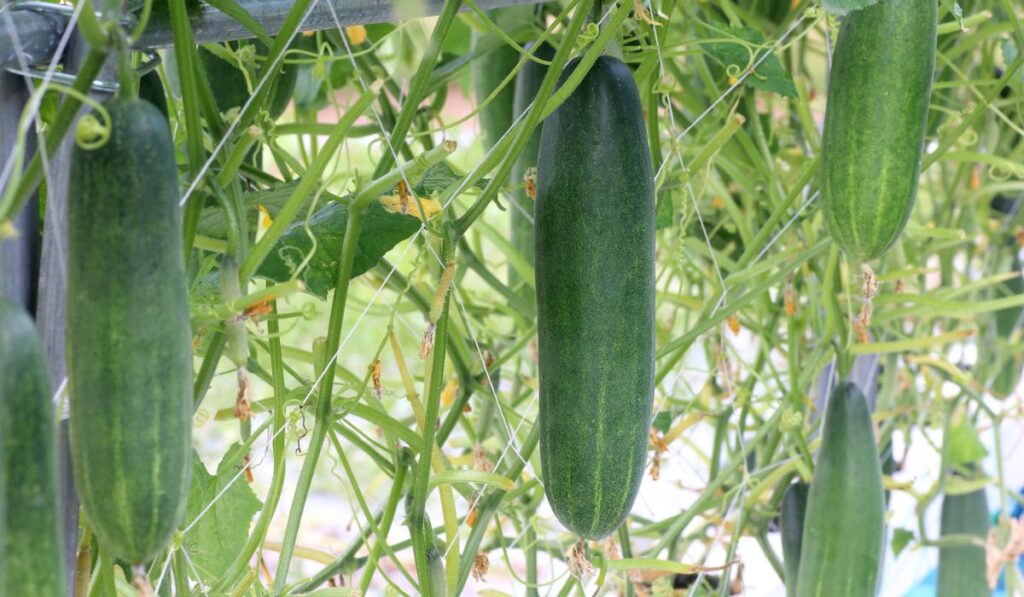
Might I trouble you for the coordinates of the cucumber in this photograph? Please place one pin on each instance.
(594, 219)
(794, 506)
(128, 336)
(842, 545)
(1008, 326)
(491, 69)
(528, 81)
(151, 89)
(229, 86)
(962, 569)
(875, 123)
(30, 540)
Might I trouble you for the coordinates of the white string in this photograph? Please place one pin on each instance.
(163, 572)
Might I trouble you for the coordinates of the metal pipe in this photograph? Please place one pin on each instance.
(211, 25)
(36, 34)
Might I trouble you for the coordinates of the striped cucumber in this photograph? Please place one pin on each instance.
(873, 137)
(128, 335)
(31, 561)
(594, 218)
(842, 545)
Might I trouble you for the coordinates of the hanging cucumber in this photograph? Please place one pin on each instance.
(594, 218)
(490, 70)
(128, 335)
(873, 137)
(521, 214)
(962, 569)
(841, 549)
(31, 561)
(151, 89)
(794, 506)
(1009, 324)
(231, 89)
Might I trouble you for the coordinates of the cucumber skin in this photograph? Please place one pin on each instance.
(595, 227)
(151, 89)
(794, 508)
(528, 81)
(31, 539)
(962, 569)
(128, 335)
(491, 69)
(1006, 322)
(230, 90)
(873, 137)
(488, 72)
(844, 528)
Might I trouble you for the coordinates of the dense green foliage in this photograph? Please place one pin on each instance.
(378, 316)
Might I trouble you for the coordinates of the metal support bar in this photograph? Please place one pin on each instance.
(28, 36)
(37, 34)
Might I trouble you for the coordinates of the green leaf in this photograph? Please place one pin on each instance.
(900, 539)
(664, 211)
(211, 220)
(438, 178)
(842, 7)
(662, 422)
(227, 506)
(963, 444)
(381, 231)
(738, 58)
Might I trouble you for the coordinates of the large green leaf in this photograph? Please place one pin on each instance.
(381, 231)
(738, 58)
(220, 511)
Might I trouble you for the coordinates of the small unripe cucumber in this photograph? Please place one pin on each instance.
(878, 95)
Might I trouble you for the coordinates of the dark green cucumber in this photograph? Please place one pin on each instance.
(30, 532)
(128, 335)
(151, 89)
(794, 507)
(962, 569)
(594, 218)
(230, 89)
(841, 549)
(875, 123)
(521, 214)
(491, 69)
